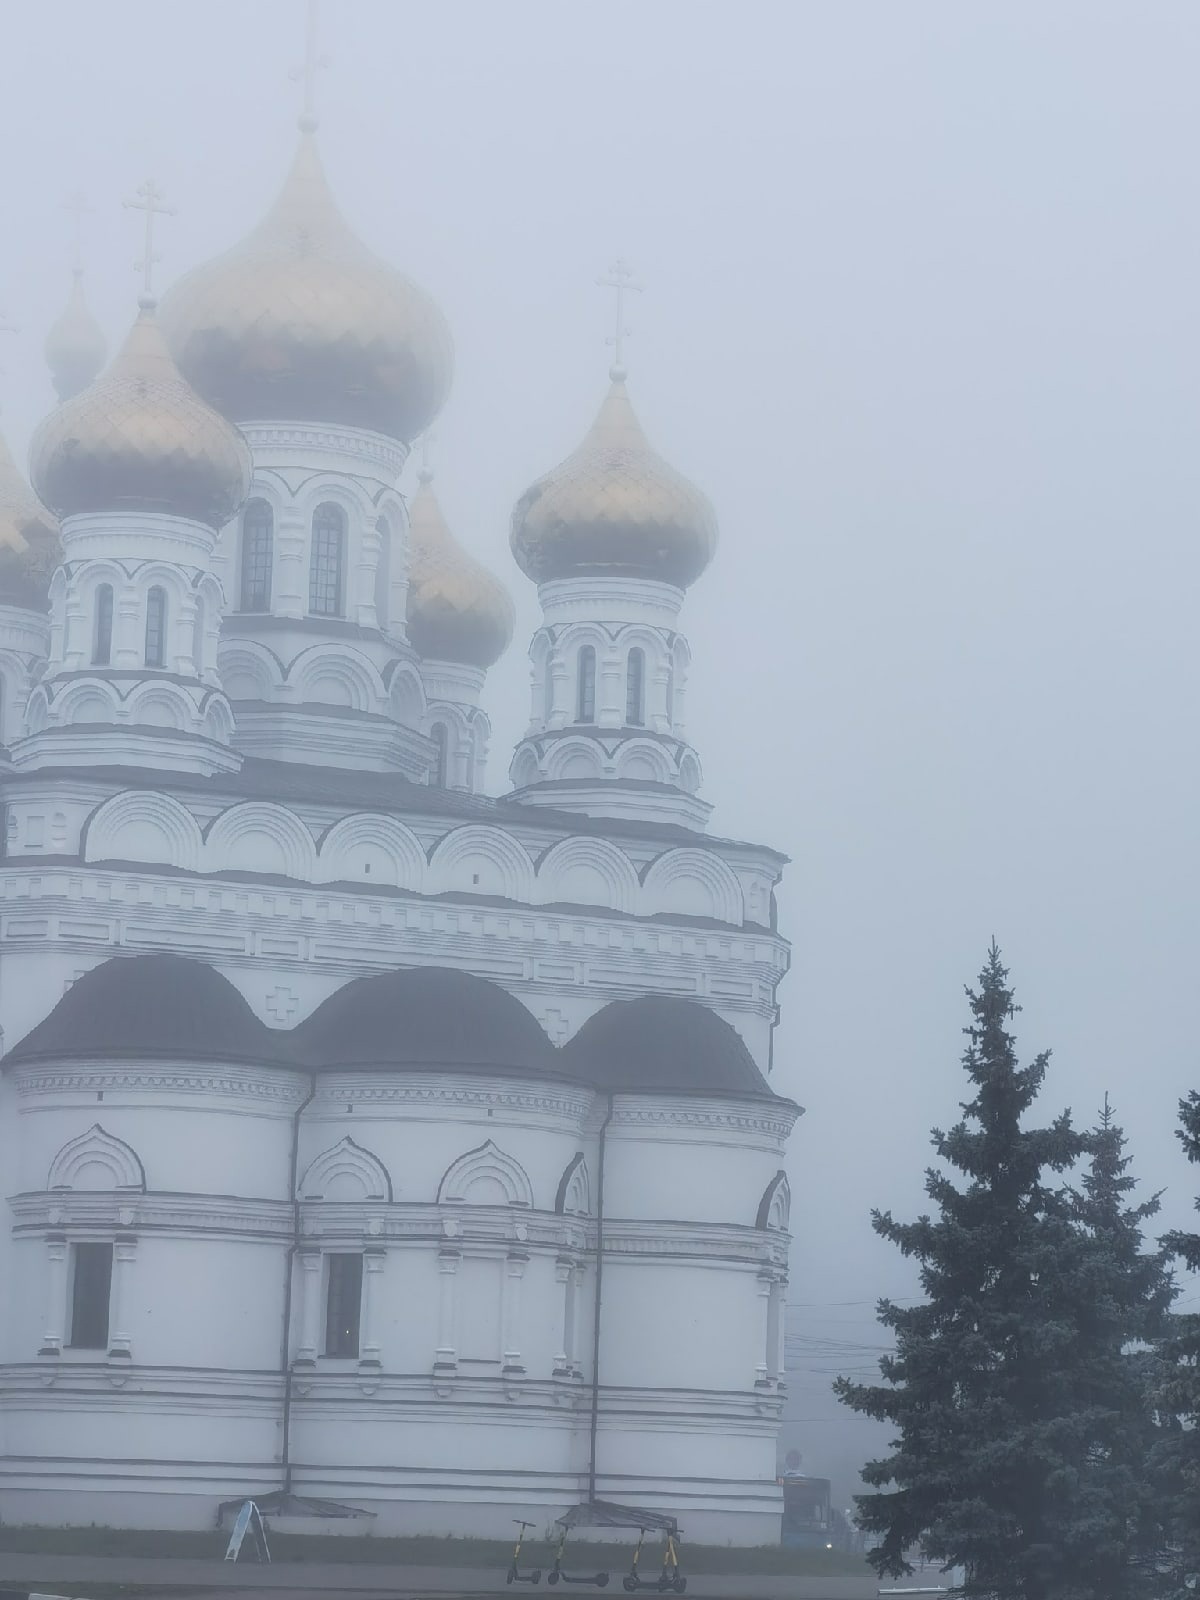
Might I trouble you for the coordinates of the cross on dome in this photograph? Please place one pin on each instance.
(78, 207)
(620, 279)
(150, 200)
(306, 73)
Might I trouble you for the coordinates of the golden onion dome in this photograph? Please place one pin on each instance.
(76, 348)
(139, 439)
(302, 323)
(615, 507)
(456, 610)
(29, 544)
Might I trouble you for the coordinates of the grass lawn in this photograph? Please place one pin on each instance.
(426, 1551)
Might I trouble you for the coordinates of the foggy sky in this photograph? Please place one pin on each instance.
(919, 315)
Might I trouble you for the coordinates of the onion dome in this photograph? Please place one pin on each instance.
(139, 439)
(456, 610)
(76, 348)
(302, 323)
(614, 507)
(29, 546)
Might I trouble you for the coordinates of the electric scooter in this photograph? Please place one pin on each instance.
(514, 1574)
(598, 1580)
(669, 1579)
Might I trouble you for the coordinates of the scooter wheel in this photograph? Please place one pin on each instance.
(680, 1585)
(630, 1584)
(536, 1575)
(552, 1577)
(509, 1575)
(602, 1580)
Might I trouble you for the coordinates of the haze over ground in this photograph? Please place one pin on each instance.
(920, 316)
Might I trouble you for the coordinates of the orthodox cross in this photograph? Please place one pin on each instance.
(150, 200)
(620, 279)
(306, 74)
(78, 207)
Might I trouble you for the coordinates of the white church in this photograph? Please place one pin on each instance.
(366, 1138)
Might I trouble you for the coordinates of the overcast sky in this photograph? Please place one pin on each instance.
(920, 315)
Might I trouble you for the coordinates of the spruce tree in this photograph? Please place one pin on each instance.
(1002, 1464)
(1179, 1403)
(1126, 1294)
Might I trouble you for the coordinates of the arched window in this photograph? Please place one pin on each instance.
(328, 559)
(635, 689)
(438, 734)
(585, 708)
(102, 642)
(383, 572)
(258, 547)
(156, 627)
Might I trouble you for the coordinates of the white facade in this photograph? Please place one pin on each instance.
(364, 1138)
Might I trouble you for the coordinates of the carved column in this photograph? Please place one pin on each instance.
(762, 1372)
(362, 608)
(119, 1341)
(446, 1359)
(564, 1272)
(368, 1331)
(289, 598)
(781, 1285)
(54, 1336)
(310, 1308)
(511, 1311)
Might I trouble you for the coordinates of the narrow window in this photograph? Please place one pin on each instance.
(198, 624)
(383, 573)
(258, 546)
(635, 689)
(548, 689)
(91, 1289)
(102, 644)
(156, 627)
(343, 1304)
(586, 705)
(325, 566)
(438, 734)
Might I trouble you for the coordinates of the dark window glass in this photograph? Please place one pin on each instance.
(343, 1305)
(258, 543)
(325, 568)
(438, 734)
(586, 703)
(156, 627)
(102, 645)
(635, 689)
(90, 1291)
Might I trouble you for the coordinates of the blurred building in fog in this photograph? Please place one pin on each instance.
(366, 1138)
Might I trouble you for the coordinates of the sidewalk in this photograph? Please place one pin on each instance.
(166, 1578)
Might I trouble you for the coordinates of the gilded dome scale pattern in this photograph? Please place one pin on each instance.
(614, 506)
(139, 439)
(302, 323)
(456, 610)
(29, 544)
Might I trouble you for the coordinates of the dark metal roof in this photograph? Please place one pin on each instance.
(153, 1006)
(425, 1017)
(660, 1045)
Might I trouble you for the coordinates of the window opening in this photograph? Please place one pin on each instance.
(102, 644)
(91, 1292)
(156, 627)
(258, 546)
(325, 567)
(635, 689)
(586, 705)
(343, 1304)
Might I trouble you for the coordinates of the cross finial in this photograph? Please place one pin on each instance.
(78, 207)
(306, 74)
(150, 200)
(620, 279)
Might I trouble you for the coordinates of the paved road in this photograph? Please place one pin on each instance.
(172, 1579)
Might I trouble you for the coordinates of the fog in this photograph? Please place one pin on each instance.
(919, 315)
